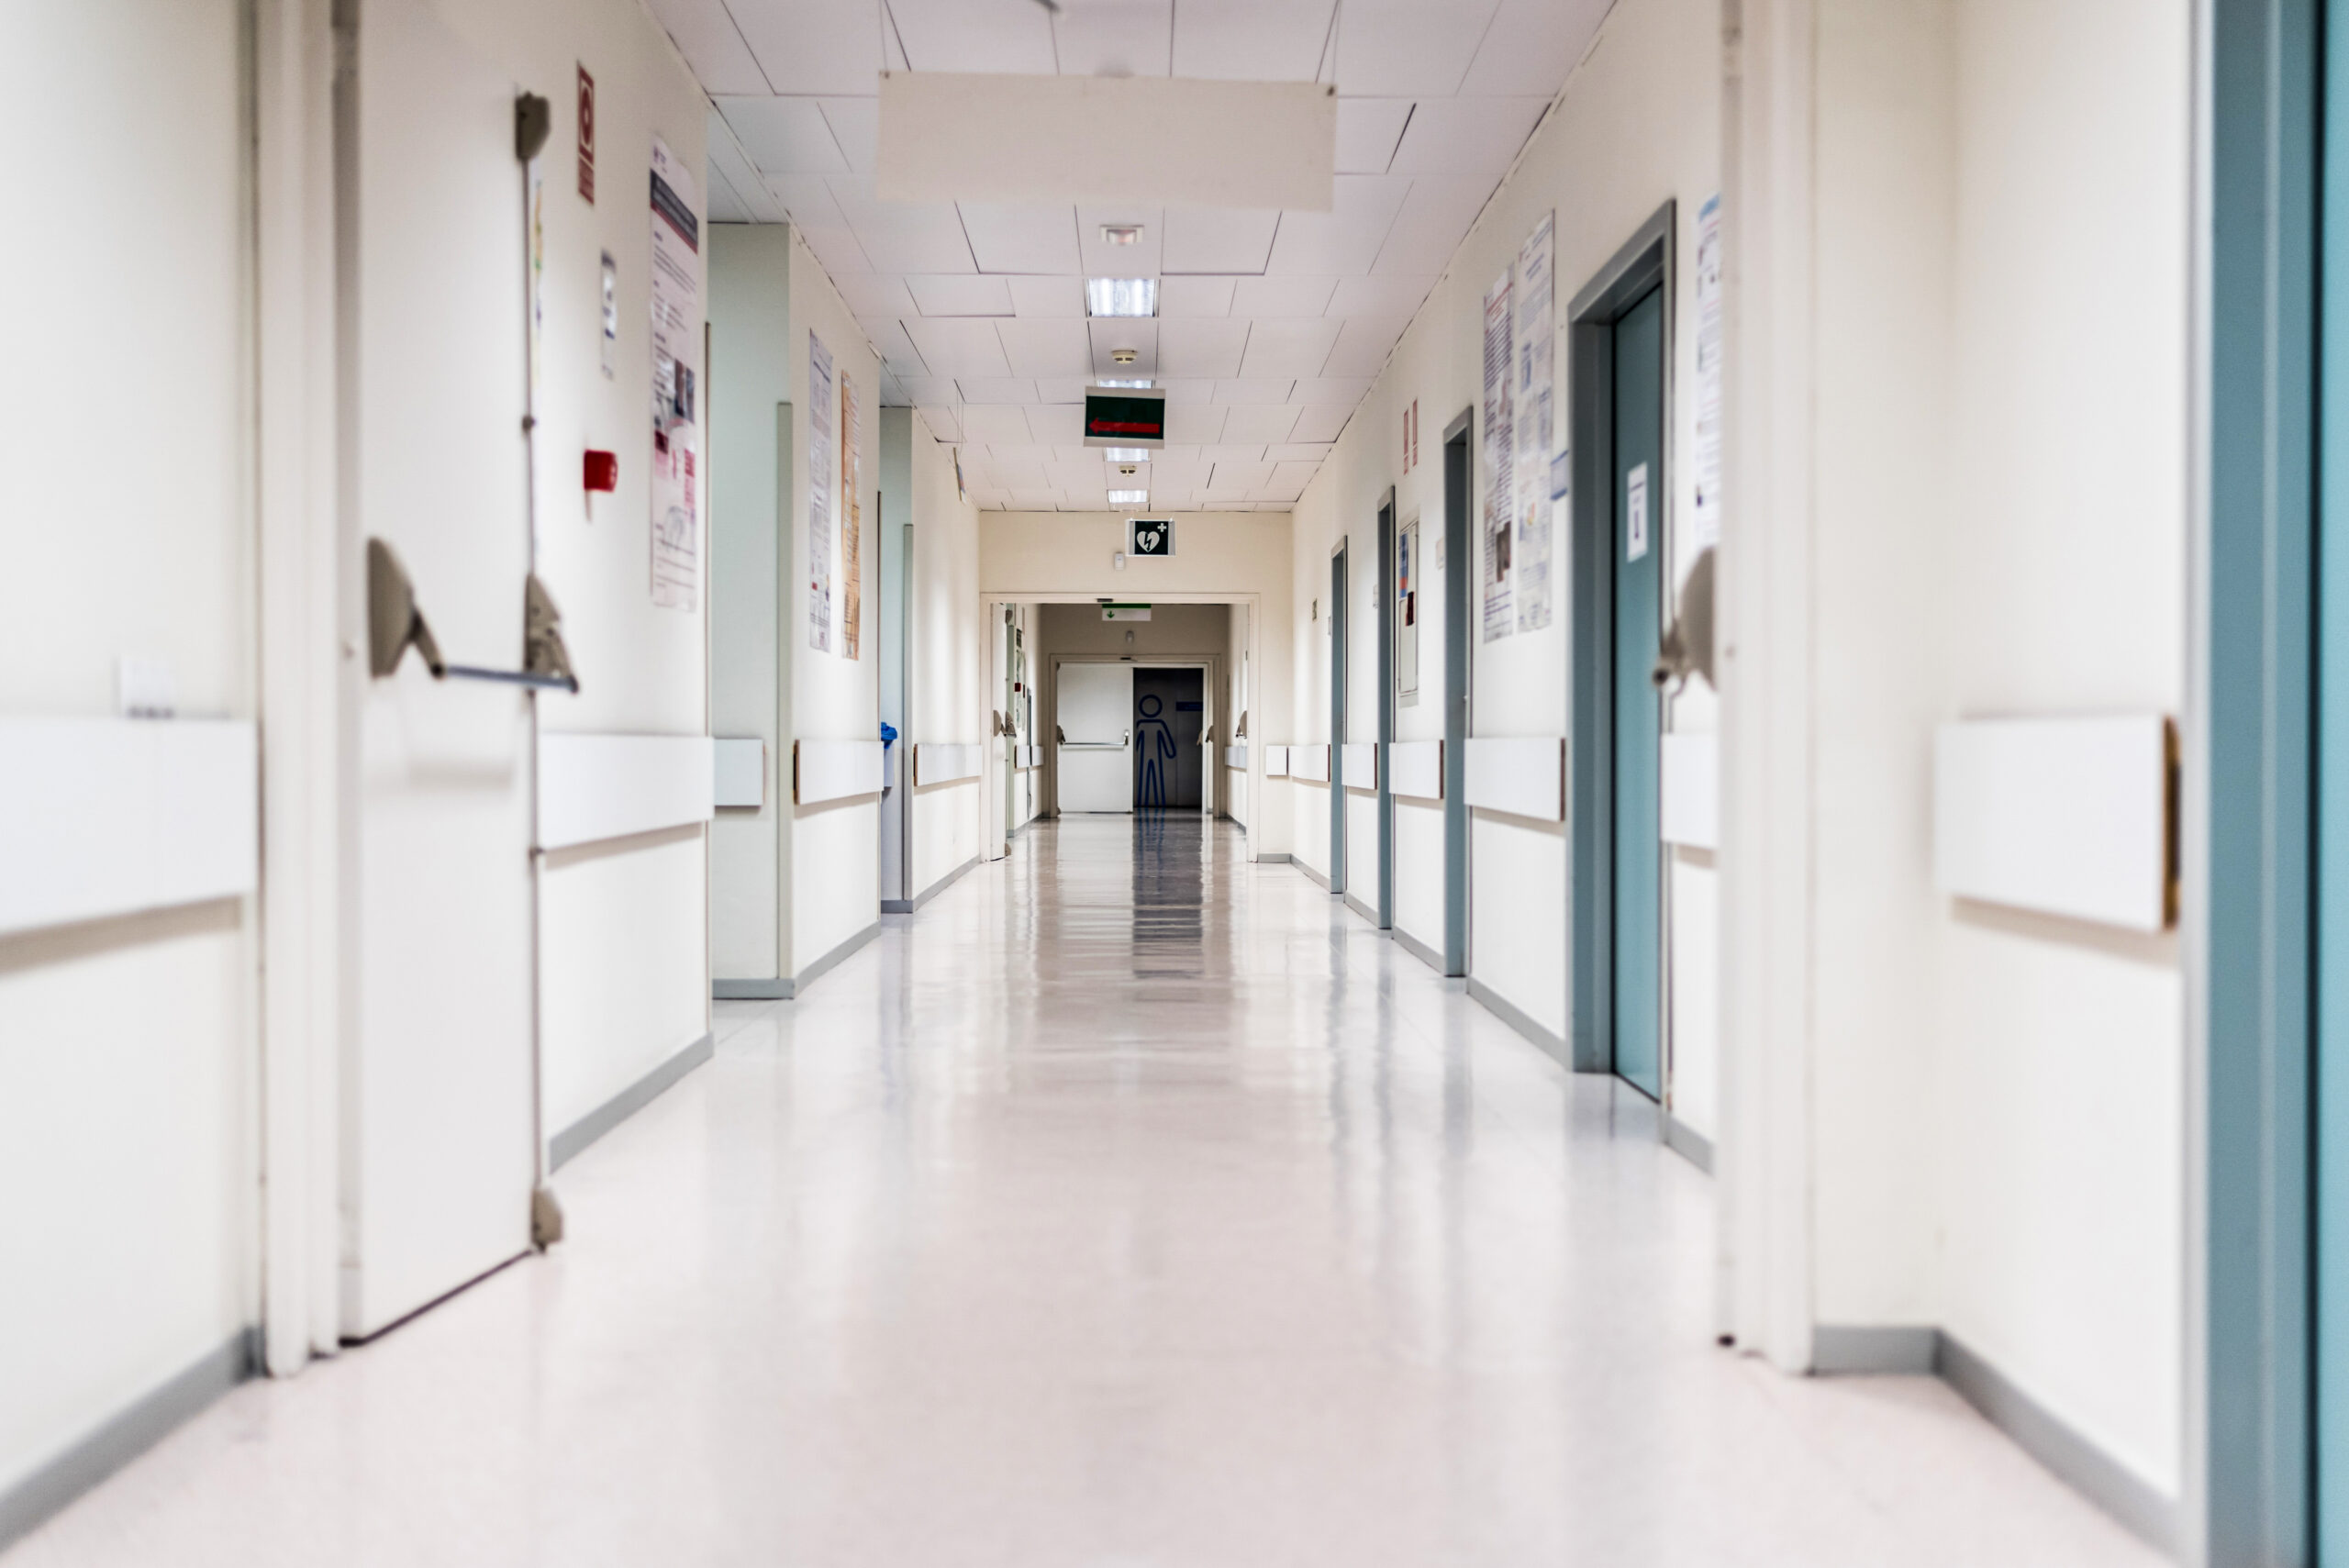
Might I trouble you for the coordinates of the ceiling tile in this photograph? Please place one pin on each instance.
(1046, 348)
(1059, 389)
(1409, 48)
(1259, 40)
(889, 337)
(1047, 296)
(1261, 422)
(993, 422)
(904, 236)
(712, 45)
(1011, 471)
(1218, 239)
(1281, 296)
(1194, 424)
(1368, 130)
(1109, 334)
(1021, 238)
(1253, 389)
(1466, 136)
(996, 389)
(1344, 240)
(944, 423)
(856, 125)
(1115, 38)
(975, 35)
(726, 157)
(1239, 477)
(1201, 347)
(1142, 258)
(1035, 500)
(725, 207)
(963, 294)
(1076, 476)
(784, 135)
(1362, 347)
(1434, 219)
(871, 294)
(1187, 474)
(1331, 391)
(1188, 389)
(1532, 45)
(1195, 297)
(814, 46)
(1299, 452)
(1321, 422)
(814, 211)
(1381, 294)
(1294, 473)
(1287, 349)
(1231, 452)
(959, 346)
(931, 389)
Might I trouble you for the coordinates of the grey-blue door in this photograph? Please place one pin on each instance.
(1638, 478)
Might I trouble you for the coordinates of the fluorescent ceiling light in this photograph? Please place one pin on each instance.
(1144, 381)
(1126, 454)
(1129, 497)
(1122, 296)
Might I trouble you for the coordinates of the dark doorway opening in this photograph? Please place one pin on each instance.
(1170, 712)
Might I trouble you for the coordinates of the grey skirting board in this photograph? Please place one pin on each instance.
(127, 1434)
(1366, 911)
(908, 905)
(1418, 949)
(1516, 1018)
(2074, 1458)
(785, 989)
(1689, 1143)
(1311, 875)
(572, 1139)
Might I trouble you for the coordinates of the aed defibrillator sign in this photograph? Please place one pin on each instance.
(1150, 535)
(1123, 416)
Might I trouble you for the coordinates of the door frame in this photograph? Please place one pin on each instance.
(1644, 262)
(1383, 792)
(1460, 542)
(1341, 625)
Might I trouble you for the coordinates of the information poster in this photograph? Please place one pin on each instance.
(1499, 474)
(819, 495)
(852, 523)
(1705, 526)
(676, 378)
(1406, 614)
(1534, 399)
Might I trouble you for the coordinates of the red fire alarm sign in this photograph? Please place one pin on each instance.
(587, 137)
(603, 470)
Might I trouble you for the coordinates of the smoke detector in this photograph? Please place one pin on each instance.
(1123, 356)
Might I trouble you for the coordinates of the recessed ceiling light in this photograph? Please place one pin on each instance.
(1104, 381)
(1120, 233)
(1126, 454)
(1129, 497)
(1122, 296)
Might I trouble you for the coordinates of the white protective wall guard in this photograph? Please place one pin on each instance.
(1525, 775)
(101, 817)
(742, 771)
(1023, 758)
(1691, 791)
(1276, 762)
(834, 770)
(1362, 765)
(1415, 769)
(1309, 762)
(2069, 816)
(1236, 755)
(947, 761)
(593, 787)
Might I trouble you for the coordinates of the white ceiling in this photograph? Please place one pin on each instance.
(1270, 325)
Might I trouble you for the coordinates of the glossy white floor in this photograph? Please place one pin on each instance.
(1130, 1205)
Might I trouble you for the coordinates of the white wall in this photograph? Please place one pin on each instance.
(1637, 124)
(625, 970)
(128, 1047)
(950, 693)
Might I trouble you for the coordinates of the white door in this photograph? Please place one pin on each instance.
(1094, 709)
(439, 1159)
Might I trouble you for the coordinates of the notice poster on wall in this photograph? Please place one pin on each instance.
(819, 495)
(676, 385)
(1407, 615)
(1534, 402)
(1499, 474)
(852, 520)
(1705, 524)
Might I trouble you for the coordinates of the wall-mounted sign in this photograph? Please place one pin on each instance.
(1149, 536)
(1125, 612)
(1123, 416)
(587, 137)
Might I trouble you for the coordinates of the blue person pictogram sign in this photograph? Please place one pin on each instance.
(1154, 744)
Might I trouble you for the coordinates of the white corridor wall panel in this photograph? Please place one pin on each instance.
(126, 1045)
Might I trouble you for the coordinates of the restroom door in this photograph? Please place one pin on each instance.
(440, 1107)
(1338, 720)
(1638, 479)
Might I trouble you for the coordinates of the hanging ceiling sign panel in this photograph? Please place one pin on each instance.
(948, 136)
(1123, 416)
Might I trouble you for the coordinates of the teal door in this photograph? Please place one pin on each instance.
(2330, 825)
(1638, 718)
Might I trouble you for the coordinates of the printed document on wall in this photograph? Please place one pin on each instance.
(676, 385)
(1499, 475)
(853, 516)
(819, 495)
(1705, 527)
(1535, 401)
